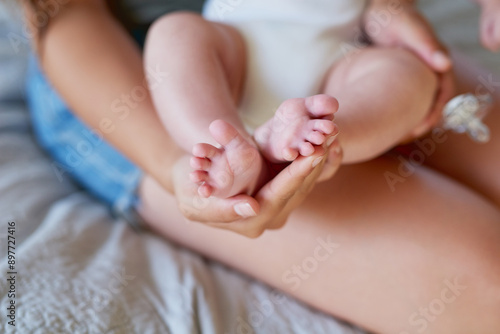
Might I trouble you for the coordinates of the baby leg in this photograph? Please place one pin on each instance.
(204, 64)
(383, 94)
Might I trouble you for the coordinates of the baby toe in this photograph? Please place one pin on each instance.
(322, 125)
(306, 149)
(200, 163)
(290, 154)
(205, 190)
(322, 105)
(225, 134)
(198, 176)
(315, 138)
(205, 151)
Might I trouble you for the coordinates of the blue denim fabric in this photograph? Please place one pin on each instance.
(79, 151)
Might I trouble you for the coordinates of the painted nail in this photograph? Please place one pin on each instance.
(244, 210)
(317, 161)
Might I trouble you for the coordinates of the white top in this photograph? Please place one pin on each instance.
(291, 45)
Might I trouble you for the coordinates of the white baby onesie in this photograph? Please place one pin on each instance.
(290, 43)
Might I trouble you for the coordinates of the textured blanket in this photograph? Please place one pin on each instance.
(73, 269)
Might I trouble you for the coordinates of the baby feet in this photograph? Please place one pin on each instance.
(238, 167)
(232, 169)
(296, 127)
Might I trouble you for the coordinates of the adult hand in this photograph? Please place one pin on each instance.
(446, 91)
(403, 26)
(490, 24)
(268, 209)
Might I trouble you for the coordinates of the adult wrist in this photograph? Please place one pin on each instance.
(161, 167)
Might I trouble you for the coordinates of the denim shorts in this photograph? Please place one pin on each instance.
(81, 152)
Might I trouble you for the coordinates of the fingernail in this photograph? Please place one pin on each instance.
(317, 161)
(440, 59)
(330, 140)
(244, 210)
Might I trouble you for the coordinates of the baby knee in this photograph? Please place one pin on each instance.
(178, 25)
(414, 70)
(399, 64)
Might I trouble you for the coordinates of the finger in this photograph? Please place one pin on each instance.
(212, 209)
(198, 176)
(420, 38)
(447, 90)
(299, 194)
(280, 189)
(246, 208)
(252, 228)
(490, 29)
(332, 163)
(443, 96)
(200, 163)
(196, 208)
(274, 197)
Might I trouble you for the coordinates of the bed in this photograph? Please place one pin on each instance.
(78, 270)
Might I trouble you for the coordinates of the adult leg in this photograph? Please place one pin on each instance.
(383, 95)
(403, 262)
(476, 165)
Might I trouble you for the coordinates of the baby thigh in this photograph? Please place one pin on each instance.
(384, 94)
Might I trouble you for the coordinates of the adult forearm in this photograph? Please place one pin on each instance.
(97, 68)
